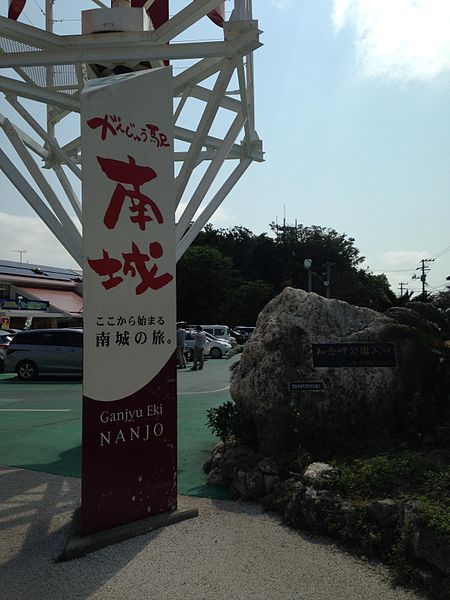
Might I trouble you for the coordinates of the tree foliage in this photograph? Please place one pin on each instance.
(230, 274)
(204, 280)
(442, 300)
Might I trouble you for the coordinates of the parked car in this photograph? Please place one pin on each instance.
(214, 347)
(217, 347)
(218, 331)
(6, 336)
(242, 333)
(45, 351)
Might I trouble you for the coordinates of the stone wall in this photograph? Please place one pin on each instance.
(307, 500)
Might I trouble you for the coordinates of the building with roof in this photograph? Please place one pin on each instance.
(33, 296)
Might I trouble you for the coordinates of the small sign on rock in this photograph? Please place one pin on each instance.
(306, 386)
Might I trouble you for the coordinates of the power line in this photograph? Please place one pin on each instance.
(393, 270)
(438, 288)
(439, 254)
(42, 11)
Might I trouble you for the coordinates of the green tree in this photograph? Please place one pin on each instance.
(321, 244)
(205, 280)
(257, 267)
(248, 301)
(442, 300)
(362, 288)
(238, 243)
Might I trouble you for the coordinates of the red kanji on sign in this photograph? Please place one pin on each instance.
(104, 124)
(134, 264)
(132, 174)
(149, 278)
(107, 266)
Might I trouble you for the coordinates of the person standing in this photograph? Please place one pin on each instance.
(181, 337)
(199, 347)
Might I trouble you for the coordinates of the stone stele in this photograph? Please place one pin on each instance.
(355, 402)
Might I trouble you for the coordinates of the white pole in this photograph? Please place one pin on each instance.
(209, 177)
(51, 143)
(70, 192)
(40, 208)
(203, 128)
(49, 68)
(208, 212)
(71, 233)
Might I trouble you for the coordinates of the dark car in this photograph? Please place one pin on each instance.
(242, 333)
(45, 351)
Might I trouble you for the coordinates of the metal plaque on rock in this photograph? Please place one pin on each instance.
(354, 355)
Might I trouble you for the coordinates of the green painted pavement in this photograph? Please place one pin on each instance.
(40, 425)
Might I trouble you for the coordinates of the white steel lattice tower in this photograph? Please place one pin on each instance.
(213, 89)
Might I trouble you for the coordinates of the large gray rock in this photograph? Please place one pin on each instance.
(433, 548)
(249, 484)
(355, 402)
(384, 512)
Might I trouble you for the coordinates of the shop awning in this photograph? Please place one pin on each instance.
(64, 300)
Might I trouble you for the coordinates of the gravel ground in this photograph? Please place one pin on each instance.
(231, 551)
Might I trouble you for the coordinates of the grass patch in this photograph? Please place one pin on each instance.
(398, 473)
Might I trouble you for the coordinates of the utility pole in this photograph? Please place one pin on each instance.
(423, 277)
(327, 281)
(401, 284)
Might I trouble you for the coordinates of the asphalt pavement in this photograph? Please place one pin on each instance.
(232, 550)
(40, 424)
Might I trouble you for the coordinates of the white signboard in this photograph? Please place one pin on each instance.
(128, 232)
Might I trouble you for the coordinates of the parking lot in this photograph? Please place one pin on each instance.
(40, 424)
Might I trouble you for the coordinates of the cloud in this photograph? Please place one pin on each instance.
(281, 4)
(400, 39)
(409, 259)
(221, 218)
(30, 234)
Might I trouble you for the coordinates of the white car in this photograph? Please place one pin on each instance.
(6, 336)
(214, 347)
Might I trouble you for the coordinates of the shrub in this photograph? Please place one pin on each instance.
(223, 419)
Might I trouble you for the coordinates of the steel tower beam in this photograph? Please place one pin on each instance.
(51, 69)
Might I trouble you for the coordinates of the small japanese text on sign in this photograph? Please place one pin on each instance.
(354, 355)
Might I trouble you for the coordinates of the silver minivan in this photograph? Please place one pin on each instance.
(45, 351)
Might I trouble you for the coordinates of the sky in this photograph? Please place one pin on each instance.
(353, 107)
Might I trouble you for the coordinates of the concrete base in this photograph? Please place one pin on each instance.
(77, 546)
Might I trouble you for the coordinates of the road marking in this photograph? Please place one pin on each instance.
(207, 392)
(35, 409)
